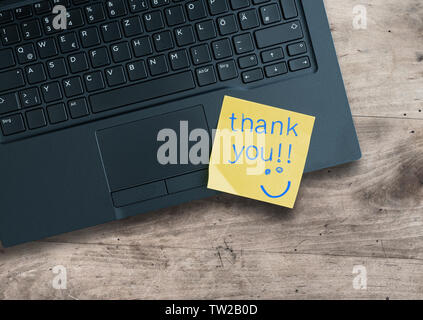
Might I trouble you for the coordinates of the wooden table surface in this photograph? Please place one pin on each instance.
(368, 213)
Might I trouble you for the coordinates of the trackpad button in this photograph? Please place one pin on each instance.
(129, 151)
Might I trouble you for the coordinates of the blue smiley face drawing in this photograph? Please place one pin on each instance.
(268, 172)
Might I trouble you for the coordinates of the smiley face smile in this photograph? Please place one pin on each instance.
(277, 196)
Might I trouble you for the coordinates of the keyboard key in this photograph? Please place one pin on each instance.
(153, 21)
(111, 32)
(9, 102)
(179, 59)
(157, 65)
(11, 80)
(275, 70)
(26, 53)
(115, 8)
(57, 113)
(227, 70)
(252, 75)
(75, 19)
(47, 48)
(29, 97)
(132, 26)
(120, 52)
(270, 14)
(12, 124)
(36, 119)
(89, 37)
(200, 54)
(48, 25)
(175, 15)
(136, 70)
(51, 92)
(68, 42)
(137, 5)
(243, 43)
(95, 13)
(239, 4)
(217, 6)
(159, 3)
(222, 49)
(23, 12)
(247, 61)
(6, 16)
(94, 81)
(289, 9)
(278, 34)
(78, 62)
(115, 76)
(31, 29)
(142, 46)
(78, 108)
(10, 35)
(272, 55)
(260, 1)
(227, 24)
(205, 30)
(248, 19)
(99, 57)
(184, 36)
(142, 91)
(205, 75)
(72, 86)
(299, 64)
(77, 2)
(196, 10)
(6, 58)
(35, 73)
(42, 7)
(57, 68)
(163, 41)
(297, 48)
(65, 3)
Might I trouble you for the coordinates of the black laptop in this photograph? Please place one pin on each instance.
(86, 86)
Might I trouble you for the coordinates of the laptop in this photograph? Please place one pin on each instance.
(87, 86)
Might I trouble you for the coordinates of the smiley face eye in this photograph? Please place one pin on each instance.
(268, 171)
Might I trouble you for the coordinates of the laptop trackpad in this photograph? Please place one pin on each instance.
(129, 151)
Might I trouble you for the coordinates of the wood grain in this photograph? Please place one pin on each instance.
(101, 271)
(366, 213)
(382, 65)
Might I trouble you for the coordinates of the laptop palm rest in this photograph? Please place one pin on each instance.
(130, 156)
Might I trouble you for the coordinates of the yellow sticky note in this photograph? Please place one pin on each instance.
(259, 151)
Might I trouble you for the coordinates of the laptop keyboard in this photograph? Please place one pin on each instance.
(118, 53)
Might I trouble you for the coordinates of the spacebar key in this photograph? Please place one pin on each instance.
(142, 91)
